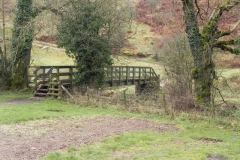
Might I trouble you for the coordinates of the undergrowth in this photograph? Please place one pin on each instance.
(226, 116)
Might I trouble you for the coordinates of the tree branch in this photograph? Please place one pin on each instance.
(227, 32)
(198, 8)
(224, 45)
(224, 6)
(227, 48)
(212, 23)
(235, 26)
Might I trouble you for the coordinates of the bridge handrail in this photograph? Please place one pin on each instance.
(112, 73)
(130, 71)
(44, 75)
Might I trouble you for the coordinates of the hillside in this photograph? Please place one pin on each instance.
(154, 21)
(166, 17)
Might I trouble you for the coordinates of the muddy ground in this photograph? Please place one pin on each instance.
(34, 139)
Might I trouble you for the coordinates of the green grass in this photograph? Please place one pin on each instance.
(12, 113)
(149, 145)
(7, 95)
(43, 109)
(49, 56)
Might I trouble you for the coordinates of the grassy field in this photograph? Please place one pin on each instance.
(39, 108)
(199, 137)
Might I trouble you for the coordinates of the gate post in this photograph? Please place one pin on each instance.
(60, 90)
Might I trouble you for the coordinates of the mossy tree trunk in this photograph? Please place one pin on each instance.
(22, 37)
(202, 45)
(4, 51)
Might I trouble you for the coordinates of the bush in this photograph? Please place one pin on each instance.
(178, 61)
(89, 31)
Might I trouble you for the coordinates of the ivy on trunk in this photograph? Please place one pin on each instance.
(202, 44)
(22, 37)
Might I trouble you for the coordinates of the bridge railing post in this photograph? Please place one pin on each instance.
(127, 74)
(36, 77)
(60, 90)
(112, 75)
(133, 75)
(57, 73)
(150, 73)
(119, 75)
(43, 73)
(139, 74)
(145, 74)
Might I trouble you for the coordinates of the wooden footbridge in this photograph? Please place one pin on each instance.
(51, 80)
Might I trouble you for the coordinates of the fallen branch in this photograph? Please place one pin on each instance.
(221, 95)
(69, 94)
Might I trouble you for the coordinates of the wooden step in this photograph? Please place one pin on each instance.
(53, 89)
(40, 94)
(42, 86)
(55, 83)
(53, 94)
(66, 84)
(43, 90)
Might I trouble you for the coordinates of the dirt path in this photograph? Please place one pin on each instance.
(34, 139)
(47, 45)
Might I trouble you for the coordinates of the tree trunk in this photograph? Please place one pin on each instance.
(202, 54)
(1, 63)
(203, 78)
(20, 69)
(22, 37)
(4, 52)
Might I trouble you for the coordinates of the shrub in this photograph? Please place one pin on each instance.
(178, 61)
